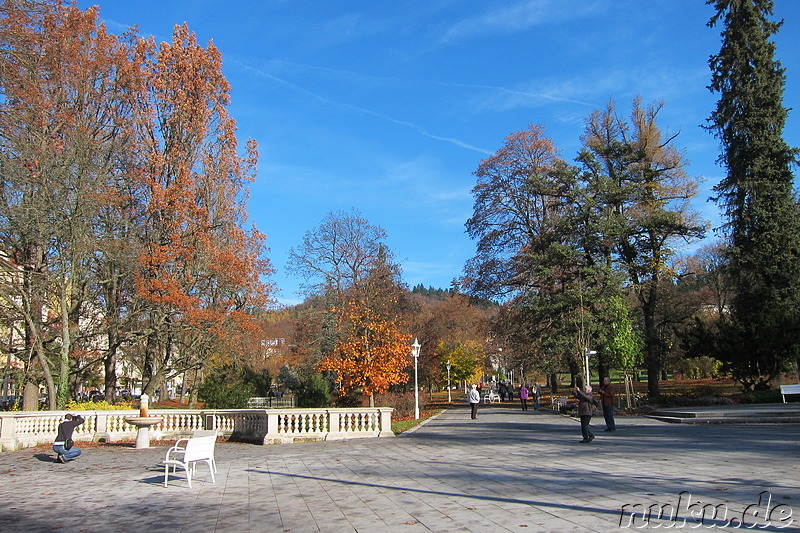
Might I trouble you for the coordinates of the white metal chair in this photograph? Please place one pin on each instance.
(197, 449)
(491, 397)
(180, 445)
(558, 403)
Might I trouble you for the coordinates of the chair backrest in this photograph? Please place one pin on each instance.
(199, 448)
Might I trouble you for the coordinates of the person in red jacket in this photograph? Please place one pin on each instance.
(64, 436)
(607, 401)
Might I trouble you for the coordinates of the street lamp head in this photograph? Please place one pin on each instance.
(448, 365)
(415, 348)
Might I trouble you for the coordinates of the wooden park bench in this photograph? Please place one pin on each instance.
(789, 389)
(196, 449)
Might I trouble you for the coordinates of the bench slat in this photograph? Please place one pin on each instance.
(789, 389)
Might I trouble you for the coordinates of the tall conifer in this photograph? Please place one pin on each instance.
(756, 195)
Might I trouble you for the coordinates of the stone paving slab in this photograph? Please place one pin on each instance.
(507, 471)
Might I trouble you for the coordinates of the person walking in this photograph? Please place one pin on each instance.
(585, 401)
(63, 445)
(474, 398)
(523, 396)
(607, 401)
(537, 394)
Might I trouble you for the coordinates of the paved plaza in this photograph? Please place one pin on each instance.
(508, 470)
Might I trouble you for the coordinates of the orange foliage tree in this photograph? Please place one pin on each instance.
(372, 353)
(65, 94)
(123, 203)
(200, 270)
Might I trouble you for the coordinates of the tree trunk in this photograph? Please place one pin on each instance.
(183, 389)
(48, 377)
(66, 346)
(603, 370)
(30, 397)
(110, 369)
(553, 379)
(198, 376)
(652, 350)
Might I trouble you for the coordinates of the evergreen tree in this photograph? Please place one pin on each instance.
(763, 334)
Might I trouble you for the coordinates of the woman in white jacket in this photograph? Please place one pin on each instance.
(474, 398)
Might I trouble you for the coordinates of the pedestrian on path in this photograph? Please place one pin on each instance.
(474, 398)
(607, 401)
(63, 445)
(537, 394)
(523, 396)
(585, 401)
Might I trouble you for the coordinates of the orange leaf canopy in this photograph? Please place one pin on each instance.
(372, 354)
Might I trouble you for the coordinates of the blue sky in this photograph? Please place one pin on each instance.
(388, 106)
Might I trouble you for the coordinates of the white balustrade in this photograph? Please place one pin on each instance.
(270, 426)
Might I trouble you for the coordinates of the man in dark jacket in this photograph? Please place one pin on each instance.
(65, 430)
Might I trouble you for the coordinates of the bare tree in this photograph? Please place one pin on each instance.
(338, 254)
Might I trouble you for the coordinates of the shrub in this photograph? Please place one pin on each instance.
(350, 399)
(401, 402)
(702, 367)
(701, 391)
(697, 401)
(762, 396)
(224, 390)
(314, 391)
(97, 406)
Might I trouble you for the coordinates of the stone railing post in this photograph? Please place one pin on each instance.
(334, 425)
(386, 422)
(101, 425)
(8, 432)
(271, 435)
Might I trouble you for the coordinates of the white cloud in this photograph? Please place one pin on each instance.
(503, 18)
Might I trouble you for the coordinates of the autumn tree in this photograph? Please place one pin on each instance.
(122, 201)
(467, 360)
(443, 325)
(643, 191)
(199, 269)
(372, 354)
(65, 101)
(519, 201)
(763, 336)
(535, 251)
(348, 265)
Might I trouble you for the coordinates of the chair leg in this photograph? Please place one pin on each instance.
(211, 469)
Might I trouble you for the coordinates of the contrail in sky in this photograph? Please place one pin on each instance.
(381, 116)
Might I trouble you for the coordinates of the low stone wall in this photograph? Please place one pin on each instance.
(270, 426)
